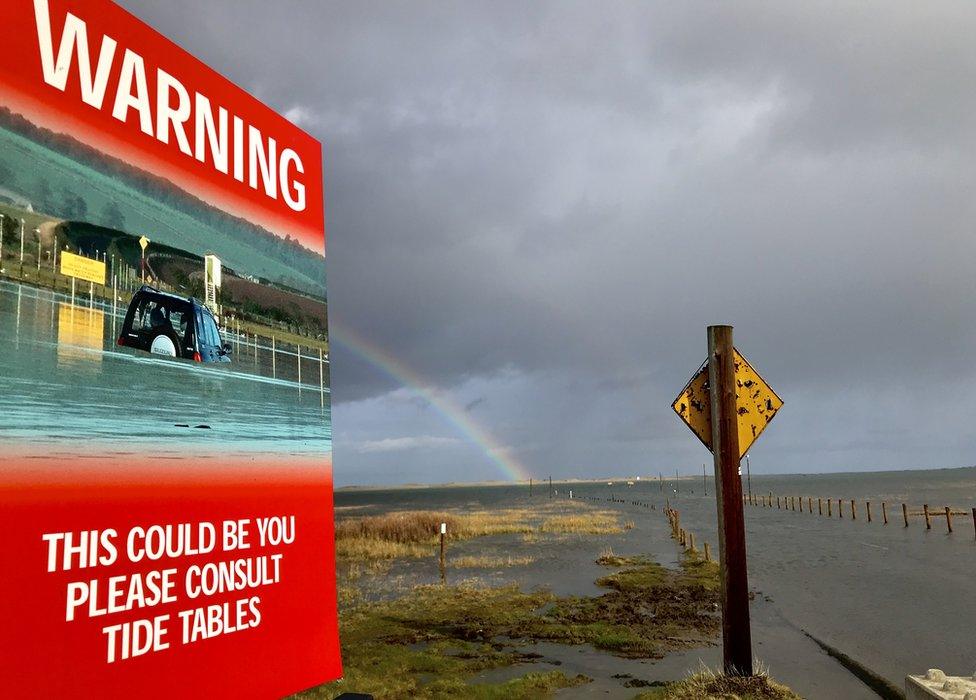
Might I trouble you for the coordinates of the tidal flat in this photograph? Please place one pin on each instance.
(541, 597)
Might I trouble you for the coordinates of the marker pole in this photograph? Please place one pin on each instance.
(736, 630)
(443, 554)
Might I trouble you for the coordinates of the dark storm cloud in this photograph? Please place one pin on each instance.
(541, 206)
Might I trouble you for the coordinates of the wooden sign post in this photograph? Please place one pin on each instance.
(727, 405)
(736, 630)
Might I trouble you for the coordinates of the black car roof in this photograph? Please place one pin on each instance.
(192, 300)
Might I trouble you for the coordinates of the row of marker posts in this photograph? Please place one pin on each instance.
(251, 341)
(683, 537)
(793, 503)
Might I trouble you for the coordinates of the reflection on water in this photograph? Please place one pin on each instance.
(80, 332)
(63, 382)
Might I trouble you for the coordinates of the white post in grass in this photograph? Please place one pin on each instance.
(443, 560)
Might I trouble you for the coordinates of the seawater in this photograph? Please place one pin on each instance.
(896, 599)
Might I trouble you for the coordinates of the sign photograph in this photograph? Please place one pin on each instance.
(165, 458)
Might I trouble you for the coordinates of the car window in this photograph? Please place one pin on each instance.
(159, 314)
(203, 336)
(212, 330)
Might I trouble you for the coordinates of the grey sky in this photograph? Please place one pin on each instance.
(538, 207)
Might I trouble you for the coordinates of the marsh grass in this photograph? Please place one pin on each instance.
(590, 523)
(414, 534)
(708, 685)
(608, 558)
(368, 548)
(431, 641)
(488, 562)
(696, 571)
(355, 570)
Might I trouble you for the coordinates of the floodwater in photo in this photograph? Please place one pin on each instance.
(65, 385)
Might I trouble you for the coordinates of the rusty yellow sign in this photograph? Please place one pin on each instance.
(756, 404)
(83, 268)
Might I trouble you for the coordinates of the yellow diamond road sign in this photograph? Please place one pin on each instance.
(756, 404)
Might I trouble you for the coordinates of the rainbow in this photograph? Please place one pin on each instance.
(450, 410)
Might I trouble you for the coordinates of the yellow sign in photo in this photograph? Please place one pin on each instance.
(756, 404)
(83, 268)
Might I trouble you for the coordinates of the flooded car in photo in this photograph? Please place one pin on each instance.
(167, 324)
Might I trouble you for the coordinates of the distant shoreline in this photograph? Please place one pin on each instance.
(542, 483)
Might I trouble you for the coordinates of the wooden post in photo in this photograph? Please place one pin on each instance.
(928, 522)
(810, 505)
(733, 575)
(321, 380)
(904, 513)
(274, 358)
(299, 367)
(853, 509)
(948, 511)
(443, 553)
(974, 522)
(708, 554)
(691, 542)
(840, 508)
(819, 506)
(830, 507)
(884, 512)
(550, 486)
(777, 504)
(800, 499)
(867, 505)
